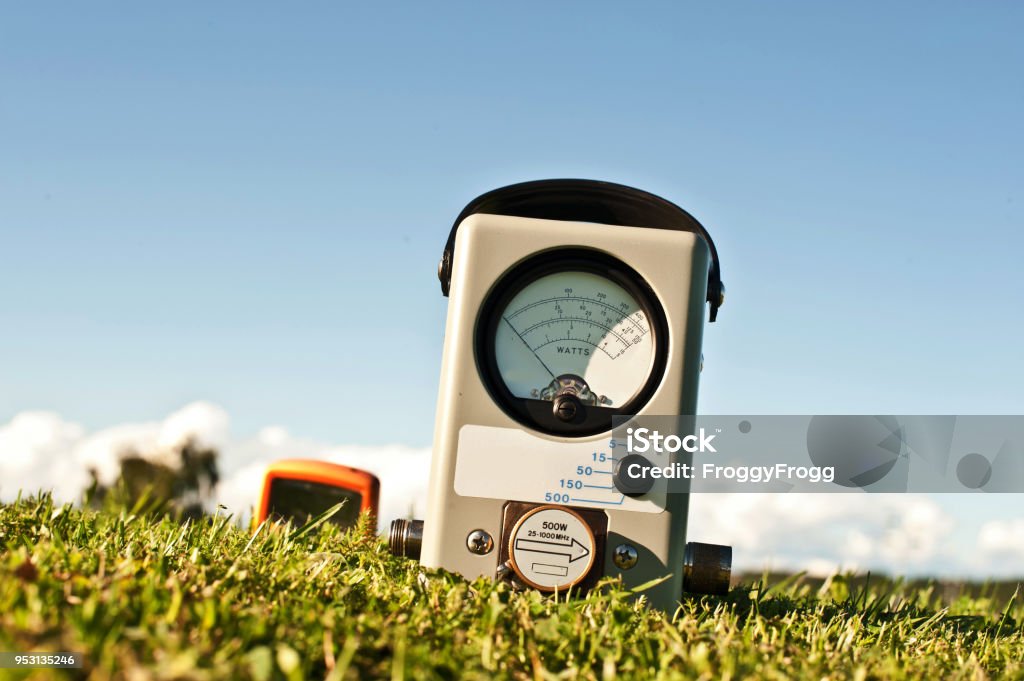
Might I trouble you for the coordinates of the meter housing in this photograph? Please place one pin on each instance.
(570, 302)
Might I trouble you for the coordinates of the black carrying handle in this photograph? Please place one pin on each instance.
(605, 203)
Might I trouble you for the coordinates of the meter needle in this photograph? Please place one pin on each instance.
(528, 346)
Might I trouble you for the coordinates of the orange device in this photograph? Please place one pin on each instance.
(300, 489)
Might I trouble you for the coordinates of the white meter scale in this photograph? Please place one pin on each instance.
(569, 340)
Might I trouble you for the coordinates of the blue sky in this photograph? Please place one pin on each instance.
(245, 203)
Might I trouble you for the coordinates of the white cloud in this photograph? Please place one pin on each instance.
(36, 452)
(899, 534)
(1001, 543)
(200, 420)
(205, 422)
(1002, 536)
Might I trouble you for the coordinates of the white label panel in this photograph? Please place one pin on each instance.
(512, 464)
(551, 548)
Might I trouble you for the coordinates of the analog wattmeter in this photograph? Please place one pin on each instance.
(571, 303)
(570, 339)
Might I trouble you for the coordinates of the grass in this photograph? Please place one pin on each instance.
(144, 597)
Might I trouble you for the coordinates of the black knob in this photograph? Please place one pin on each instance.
(567, 408)
(631, 475)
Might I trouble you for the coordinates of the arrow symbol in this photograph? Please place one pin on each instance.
(573, 550)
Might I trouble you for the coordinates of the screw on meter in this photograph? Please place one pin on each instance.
(551, 548)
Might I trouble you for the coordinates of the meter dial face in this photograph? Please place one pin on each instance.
(571, 339)
(578, 324)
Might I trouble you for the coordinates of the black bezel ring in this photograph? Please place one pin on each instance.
(537, 414)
